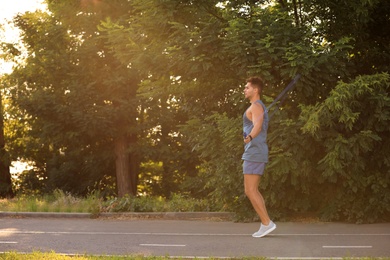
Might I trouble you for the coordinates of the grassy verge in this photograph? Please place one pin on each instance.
(63, 202)
(54, 256)
(56, 202)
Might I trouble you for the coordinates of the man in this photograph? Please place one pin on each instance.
(255, 124)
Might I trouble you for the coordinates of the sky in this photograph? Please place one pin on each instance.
(8, 9)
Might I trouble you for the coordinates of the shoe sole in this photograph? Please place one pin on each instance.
(265, 233)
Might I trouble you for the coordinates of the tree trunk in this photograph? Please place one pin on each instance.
(5, 175)
(127, 158)
(126, 167)
(134, 170)
(122, 164)
(297, 21)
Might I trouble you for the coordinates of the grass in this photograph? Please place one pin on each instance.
(54, 256)
(60, 201)
(56, 202)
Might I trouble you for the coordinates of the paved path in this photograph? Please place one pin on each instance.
(192, 238)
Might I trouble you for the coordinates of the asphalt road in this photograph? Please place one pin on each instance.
(192, 238)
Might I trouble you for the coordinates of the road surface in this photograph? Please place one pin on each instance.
(192, 238)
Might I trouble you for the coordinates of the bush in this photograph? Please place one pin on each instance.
(58, 201)
(178, 203)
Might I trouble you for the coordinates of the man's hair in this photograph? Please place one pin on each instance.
(256, 82)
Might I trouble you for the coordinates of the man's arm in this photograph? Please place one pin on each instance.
(257, 119)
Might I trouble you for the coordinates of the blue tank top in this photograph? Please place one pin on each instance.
(257, 149)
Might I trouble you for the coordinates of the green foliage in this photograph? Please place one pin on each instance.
(37, 255)
(94, 203)
(70, 103)
(163, 80)
(351, 128)
(58, 201)
(219, 144)
(177, 203)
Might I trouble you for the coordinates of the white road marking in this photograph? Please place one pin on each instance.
(346, 246)
(171, 234)
(162, 245)
(8, 242)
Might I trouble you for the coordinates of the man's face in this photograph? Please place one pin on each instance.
(249, 91)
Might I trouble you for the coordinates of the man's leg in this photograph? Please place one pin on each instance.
(251, 184)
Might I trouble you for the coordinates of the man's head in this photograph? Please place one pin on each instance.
(254, 86)
(256, 82)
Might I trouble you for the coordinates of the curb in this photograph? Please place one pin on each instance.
(227, 216)
(45, 215)
(222, 216)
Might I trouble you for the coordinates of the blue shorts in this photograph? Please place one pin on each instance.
(253, 167)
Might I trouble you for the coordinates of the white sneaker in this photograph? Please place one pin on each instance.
(265, 230)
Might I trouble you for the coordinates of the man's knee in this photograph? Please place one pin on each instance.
(250, 192)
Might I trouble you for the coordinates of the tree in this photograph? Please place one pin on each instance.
(6, 190)
(351, 131)
(160, 83)
(364, 22)
(114, 84)
(69, 72)
(271, 43)
(163, 106)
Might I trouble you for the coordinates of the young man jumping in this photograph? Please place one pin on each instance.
(255, 156)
